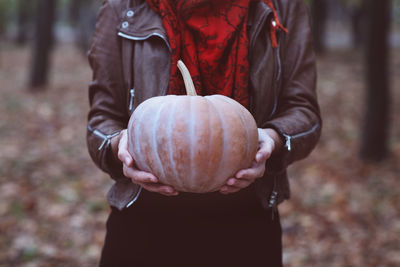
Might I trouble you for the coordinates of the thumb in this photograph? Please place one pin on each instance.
(123, 153)
(266, 146)
(263, 153)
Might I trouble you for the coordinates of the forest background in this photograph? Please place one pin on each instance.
(344, 209)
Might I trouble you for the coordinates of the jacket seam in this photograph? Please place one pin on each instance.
(305, 133)
(277, 78)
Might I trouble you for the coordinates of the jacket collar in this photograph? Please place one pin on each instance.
(140, 22)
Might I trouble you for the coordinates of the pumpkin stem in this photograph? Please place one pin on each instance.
(187, 79)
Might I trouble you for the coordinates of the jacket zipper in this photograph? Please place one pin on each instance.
(289, 138)
(137, 38)
(106, 137)
(273, 199)
(131, 98)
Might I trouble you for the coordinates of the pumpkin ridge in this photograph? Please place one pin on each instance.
(154, 135)
(210, 179)
(202, 146)
(243, 120)
(210, 130)
(140, 162)
(181, 143)
(172, 163)
(224, 132)
(191, 150)
(145, 146)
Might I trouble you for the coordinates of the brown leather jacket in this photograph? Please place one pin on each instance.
(130, 58)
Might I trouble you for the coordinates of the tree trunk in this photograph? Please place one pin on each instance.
(43, 43)
(318, 15)
(73, 12)
(2, 21)
(82, 16)
(374, 145)
(358, 18)
(23, 18)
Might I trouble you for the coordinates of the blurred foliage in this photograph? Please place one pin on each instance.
(4, 6)
(81, 20)
(351, 4)
(396, 10)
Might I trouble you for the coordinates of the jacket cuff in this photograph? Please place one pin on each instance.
(101, 152)
(113, 165)
(297, 145)
(278, 161)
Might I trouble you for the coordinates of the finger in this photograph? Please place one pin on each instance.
(255, 172)
(266, 146)
(239, 183)
(264, 152)
(229, 190)
(160, 188)
(139, 176)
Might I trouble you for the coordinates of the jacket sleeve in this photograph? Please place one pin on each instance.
(298, 117)
(107, 117)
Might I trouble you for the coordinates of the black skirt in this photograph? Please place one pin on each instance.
(194, 230)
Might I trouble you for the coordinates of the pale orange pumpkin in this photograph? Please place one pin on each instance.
(192, 143)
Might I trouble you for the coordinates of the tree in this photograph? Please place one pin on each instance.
(43, 42)
(357, 11)
(23, 18)
(82, 16)
(3, 11)
(374, 145)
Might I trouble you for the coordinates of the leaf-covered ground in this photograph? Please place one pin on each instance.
(52, 198)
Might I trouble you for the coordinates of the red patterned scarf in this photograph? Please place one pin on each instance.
(210, 37)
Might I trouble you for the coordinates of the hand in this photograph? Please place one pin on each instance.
(269, 141)
(147, 180)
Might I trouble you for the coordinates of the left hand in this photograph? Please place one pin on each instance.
(269, 141)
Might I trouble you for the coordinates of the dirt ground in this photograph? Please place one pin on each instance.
(52, 198)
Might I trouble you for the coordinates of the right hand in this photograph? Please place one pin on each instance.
(148, 181)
